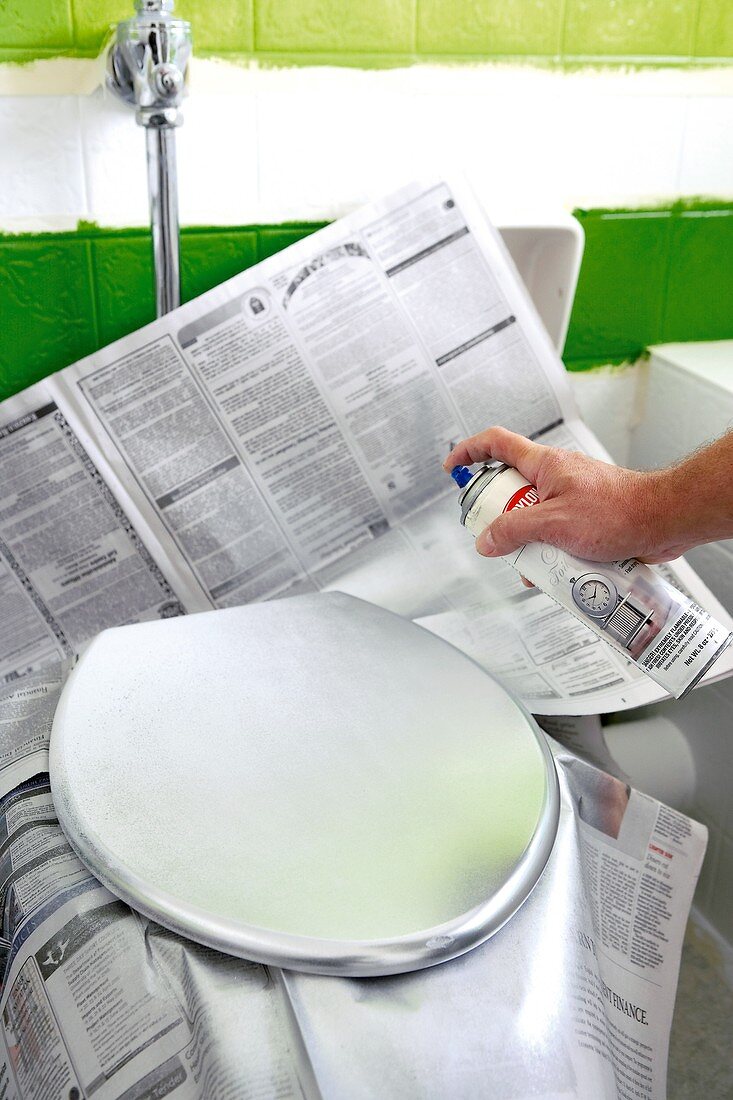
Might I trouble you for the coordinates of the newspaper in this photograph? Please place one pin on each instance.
(284, 433)
(573, 997)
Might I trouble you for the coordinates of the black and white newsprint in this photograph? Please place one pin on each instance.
(284, 433)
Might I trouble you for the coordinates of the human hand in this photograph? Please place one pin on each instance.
(587, 508)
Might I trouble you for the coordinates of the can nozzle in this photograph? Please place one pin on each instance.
(461, 475)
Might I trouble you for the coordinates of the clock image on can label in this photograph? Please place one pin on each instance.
(597, 597)
(595, 594)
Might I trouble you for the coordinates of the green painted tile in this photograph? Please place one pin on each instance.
(36, 23)
(224, 26)
(47, 308)
(382, 26)
(123, 271)
(578, 365)
(277, 59)
(123, 266)
(647, 276)
(209, 258)
(699, 302)
(30, 53)
(274, 239)
(619, 300)
(489, 27)
(715, 29)
(94, 18)
(629, 28)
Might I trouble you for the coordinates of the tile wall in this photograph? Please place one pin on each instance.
(629, 152)
(644, 279)
(64, 295)
(570, 30)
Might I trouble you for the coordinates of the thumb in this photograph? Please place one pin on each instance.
(512, 529)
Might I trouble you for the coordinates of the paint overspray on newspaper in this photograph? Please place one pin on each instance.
(666, 635)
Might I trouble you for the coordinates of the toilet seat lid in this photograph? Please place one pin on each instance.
(312, 782)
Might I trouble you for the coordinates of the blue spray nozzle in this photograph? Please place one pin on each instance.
(461, 475)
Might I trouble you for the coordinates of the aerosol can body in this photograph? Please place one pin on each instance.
(629, 605)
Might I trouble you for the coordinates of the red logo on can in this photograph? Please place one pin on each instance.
(523, 498)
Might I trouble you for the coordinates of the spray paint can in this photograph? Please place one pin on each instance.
(647, 620)
(493, 490)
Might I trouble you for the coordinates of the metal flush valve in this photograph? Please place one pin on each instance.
(146, 67)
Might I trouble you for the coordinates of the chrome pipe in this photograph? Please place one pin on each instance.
(147, 66)
(163, 192)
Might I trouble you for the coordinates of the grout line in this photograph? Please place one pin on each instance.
(683, 144)
(706, 213)
(561, 38)
(84, 161)
(92, 267)
(71, 8)
(257, 149)
(695, 31)
(626, 215)
(662, 319)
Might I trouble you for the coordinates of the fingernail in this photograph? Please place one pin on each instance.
(484, 543)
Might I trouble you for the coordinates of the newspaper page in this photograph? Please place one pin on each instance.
(572, 998)
(71, 560)
(98, 1002)
(284, 433)
(95, 1000)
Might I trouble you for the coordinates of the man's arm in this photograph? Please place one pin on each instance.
(602, 512)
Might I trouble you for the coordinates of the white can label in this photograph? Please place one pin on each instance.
(506, 491)
(627, 604)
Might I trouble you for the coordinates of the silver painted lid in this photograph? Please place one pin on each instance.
(313, 783)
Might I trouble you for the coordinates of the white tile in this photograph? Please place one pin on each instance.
(41, 171)
(607, 399)
(346, 140)
(507, 146)
(328, 149)
(114, 160)
(680, 412)
(216, 152)
(656, 436)
(708, 360)
(621, 149)
(326, 140)
(707, 155)
(218, 160)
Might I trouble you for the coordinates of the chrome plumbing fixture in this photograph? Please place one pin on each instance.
(146, 67)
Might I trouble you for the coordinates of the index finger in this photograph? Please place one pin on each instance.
(498, 444)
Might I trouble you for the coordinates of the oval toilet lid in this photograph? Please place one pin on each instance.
(313, 783)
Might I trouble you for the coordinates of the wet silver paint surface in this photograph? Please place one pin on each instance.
(311, 782)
